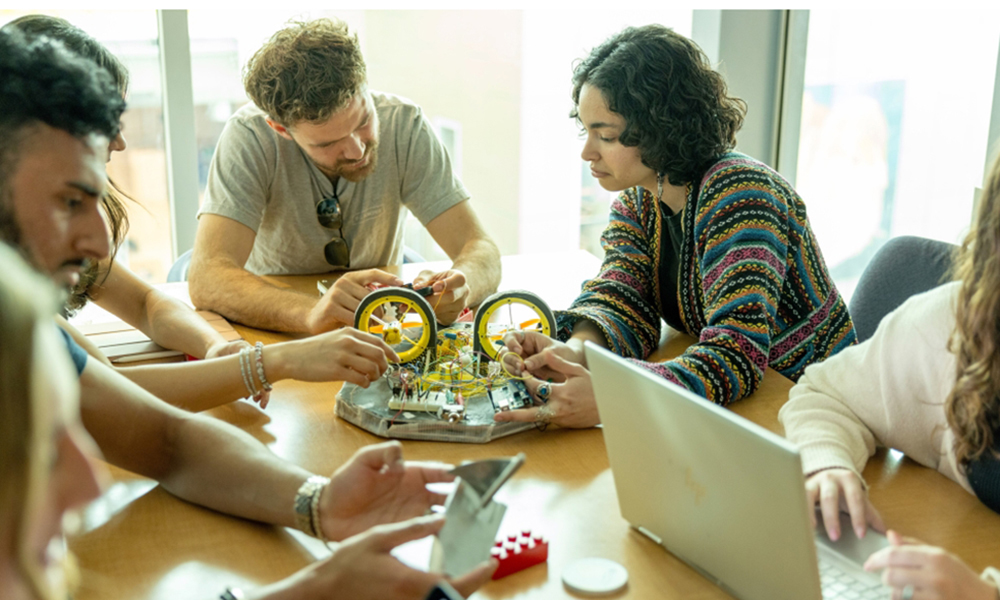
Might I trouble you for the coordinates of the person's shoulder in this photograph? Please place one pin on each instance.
(247, 134)
(250, 116)
(930, 314)
(935, 302)
(386, 104)
(248, 122)
(735, 178)
(732, 167)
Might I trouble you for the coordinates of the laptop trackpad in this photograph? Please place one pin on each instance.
(849, 546)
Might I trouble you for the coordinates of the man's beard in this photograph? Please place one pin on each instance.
(359, 174)
(10, 232)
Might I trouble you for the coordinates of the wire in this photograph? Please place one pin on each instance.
(503, 365)
(441, 296)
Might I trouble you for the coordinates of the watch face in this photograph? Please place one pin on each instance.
(443, 591)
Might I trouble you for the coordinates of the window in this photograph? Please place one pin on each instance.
(477, 73)
(561, 206)
(895, 121)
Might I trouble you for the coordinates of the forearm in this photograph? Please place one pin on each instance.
(172, 324)
(832, 411)
(205, 384)
(241, 296)
(193, 386)
(616, 317)
(197, 458)
(223, 468)
(479, 260)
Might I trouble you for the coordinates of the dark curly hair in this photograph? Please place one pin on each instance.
(675, 105)
(113, 201)
(43, 82)
(306, 71)
(75, 39)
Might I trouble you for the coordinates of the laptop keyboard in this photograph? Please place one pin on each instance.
(839, 585)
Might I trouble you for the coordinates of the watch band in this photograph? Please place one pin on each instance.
(307, 506)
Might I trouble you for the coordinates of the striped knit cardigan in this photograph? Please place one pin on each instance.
(753, 288)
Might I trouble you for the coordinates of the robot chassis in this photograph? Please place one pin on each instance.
(448, 383)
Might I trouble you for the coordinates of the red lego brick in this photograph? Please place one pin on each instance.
(517, 553)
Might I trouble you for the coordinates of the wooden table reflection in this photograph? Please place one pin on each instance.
(141, 543)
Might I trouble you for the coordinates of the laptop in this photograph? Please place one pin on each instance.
(721, 493)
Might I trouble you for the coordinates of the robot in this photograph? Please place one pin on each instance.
(448, 383)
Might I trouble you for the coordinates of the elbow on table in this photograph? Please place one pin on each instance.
(204, 284)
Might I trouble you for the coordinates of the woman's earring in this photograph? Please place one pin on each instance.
(659, 186)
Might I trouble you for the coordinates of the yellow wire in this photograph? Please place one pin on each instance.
(503, 365)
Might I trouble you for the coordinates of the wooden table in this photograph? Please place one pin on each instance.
(139, 542)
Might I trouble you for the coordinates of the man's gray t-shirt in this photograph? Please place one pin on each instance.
(267, 183)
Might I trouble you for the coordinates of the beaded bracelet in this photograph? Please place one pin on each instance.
(266, 387)
(259, 350)
(245, 366)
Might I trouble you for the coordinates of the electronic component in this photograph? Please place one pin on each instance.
(424, 291)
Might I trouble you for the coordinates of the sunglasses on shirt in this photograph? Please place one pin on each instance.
(328, 212)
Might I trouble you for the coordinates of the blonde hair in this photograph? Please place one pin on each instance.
(972, 408)
(27, 302)
(306, 72)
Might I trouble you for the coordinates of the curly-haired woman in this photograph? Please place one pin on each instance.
(710, 240)
(928, 384)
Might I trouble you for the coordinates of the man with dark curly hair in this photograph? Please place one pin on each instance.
(53, 111)
(715, 243)
(318, 174)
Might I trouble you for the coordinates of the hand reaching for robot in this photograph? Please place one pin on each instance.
(570, 401)
(336, 307)
(343, 355)
(527, 351)
(451, 293)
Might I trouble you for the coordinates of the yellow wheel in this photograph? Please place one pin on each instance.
(402, 318)
(515, 310)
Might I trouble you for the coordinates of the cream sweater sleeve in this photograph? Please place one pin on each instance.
(887, 391)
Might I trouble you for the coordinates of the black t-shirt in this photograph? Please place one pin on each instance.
(671, 241)
(78, 354)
